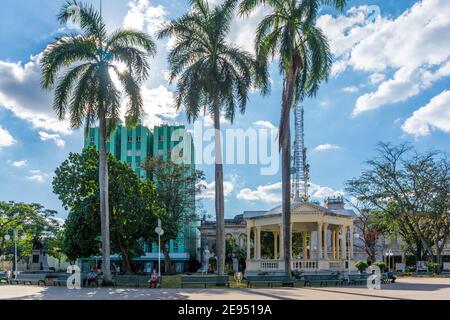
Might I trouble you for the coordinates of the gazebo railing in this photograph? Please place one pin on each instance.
(269, 265)
(306, 265)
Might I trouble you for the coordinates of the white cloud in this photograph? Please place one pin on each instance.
(19, 163)
(159, 105)
(6, 139)
(410, 45)
(350, 89)
(264, 124)
(265, 193)
(37, 176)
(208, 121)
(56, 138)
(20, 92)
(271, 193)
(377, 77)
(142, 15)
(326, 147)
(209, 189)
(435, 115)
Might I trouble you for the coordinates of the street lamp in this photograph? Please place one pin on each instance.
(389, 254)
(160, 232)
(15, 236)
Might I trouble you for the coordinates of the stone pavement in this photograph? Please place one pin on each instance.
(405, 288)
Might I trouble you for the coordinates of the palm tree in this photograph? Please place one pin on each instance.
(289, 33)
(212, 76)
(79, 67)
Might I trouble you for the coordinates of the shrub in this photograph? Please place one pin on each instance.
(361, 265)
(381, 265)
(434, 267)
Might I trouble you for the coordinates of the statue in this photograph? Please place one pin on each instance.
(205, 260)
(37, 244)
(38, 259)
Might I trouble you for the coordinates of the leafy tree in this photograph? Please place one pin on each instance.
(177, 186)
(212, 76)
(305, 59)
(132, 202)
(410, 191)
(33, 221)
(85, 89)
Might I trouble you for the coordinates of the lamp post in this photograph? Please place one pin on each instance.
(160, 232)
(389, 254)
(15, 237)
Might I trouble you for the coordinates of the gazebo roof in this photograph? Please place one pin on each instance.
(278, 210)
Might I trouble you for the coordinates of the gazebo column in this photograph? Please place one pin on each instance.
(344, 242)
(305, 250)
(338, 247)
(275, 245)
(351, 242)
(333, 244)
(325, 240)
(281, 242)
(319, 240)
(258, 243)
(290, 238)
(249, 230)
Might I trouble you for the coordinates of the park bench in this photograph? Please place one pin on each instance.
(322, 279)
(3, 277)
(205, 280)
(388, 277)
(264, 279)
(360, 278)
(422, 274)
(61, 280)
(130, 281)
(30, 278)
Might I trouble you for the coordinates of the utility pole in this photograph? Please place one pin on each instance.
(301, 167)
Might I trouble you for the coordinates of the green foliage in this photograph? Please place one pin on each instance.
(32, 221)
(85, 88)
(409, 190)
(232, 249)
(211, 73)
(380, 264)
(434, 267)
(132, 202)
(361, 265)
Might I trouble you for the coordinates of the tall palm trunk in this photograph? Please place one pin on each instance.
(104, 204)
(285, 144)
(219, 200)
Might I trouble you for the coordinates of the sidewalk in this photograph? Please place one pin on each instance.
(406, 288)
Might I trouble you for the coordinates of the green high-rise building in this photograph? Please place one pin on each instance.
(134, 146)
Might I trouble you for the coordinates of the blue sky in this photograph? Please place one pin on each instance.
(389, 83)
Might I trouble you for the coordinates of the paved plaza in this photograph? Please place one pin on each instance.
(406, 288)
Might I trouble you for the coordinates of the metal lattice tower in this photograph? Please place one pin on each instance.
(301, 166)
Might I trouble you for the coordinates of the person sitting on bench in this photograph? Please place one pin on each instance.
(90, 278)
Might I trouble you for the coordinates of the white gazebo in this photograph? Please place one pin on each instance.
(323, 236)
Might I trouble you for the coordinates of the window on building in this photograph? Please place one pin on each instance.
(129, 153)
(138, 153)
(138, 139)
(130, 139)
(138, 164)
(161, 138)
(175, 246)
(92, 140)
(129, 164)
(160, 153)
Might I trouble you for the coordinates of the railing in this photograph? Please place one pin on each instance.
(268, 265)
(304, 265)
(336, 265)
